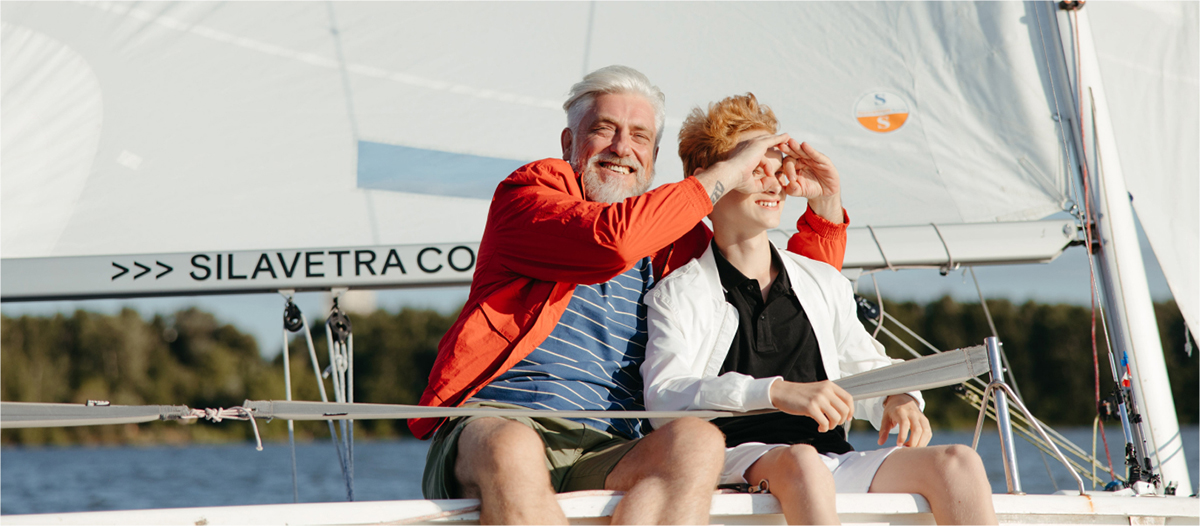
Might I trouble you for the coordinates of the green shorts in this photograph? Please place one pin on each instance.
(578, 457)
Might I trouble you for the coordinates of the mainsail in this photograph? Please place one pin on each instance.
(154, 148)
(133, 128)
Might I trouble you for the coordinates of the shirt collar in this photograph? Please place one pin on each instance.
(732, 278)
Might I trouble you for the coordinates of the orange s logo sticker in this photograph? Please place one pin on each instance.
(881, 111)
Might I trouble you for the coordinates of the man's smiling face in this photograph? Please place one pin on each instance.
(613, 149)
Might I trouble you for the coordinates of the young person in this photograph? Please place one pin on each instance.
(745, 327)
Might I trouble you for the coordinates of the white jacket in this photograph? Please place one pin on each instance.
(691, 327)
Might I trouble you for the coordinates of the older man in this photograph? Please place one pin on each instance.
(554, 319)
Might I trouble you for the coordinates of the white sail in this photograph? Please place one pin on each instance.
(1149, 55)
(254, 126)
(263, 129)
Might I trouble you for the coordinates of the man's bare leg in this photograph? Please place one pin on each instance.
(800, 480)
(503, 464)
(952, 479)
(670, 475)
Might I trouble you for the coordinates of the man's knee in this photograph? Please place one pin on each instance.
(491, 447)
(690, 432)
(687, 445)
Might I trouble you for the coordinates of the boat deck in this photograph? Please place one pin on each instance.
(595, 507)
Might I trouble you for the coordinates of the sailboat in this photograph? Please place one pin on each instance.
(156, 149)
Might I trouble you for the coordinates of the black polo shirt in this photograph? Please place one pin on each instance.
(774, 338)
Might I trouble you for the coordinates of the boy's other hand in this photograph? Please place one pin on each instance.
(825, 402)
(903, 411)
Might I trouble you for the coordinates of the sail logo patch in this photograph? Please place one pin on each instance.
(881, 111)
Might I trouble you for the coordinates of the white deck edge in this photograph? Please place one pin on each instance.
(584, 507)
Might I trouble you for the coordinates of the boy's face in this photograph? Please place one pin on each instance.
(756, 212)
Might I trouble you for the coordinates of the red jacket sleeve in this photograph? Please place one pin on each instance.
(820, 239)
(542, 228)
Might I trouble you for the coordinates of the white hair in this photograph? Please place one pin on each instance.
(614, 79)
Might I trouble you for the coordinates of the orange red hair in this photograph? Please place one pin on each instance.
(708, 138)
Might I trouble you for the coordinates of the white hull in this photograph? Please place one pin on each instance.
(595, 507)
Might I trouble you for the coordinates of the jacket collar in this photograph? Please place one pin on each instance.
(804, 285)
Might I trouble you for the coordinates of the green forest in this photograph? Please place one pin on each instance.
(189, 358)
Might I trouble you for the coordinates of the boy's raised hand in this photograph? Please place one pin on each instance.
(808, 173)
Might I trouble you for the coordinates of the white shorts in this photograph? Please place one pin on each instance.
(852, 472)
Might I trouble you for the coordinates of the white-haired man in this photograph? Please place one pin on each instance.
(554, 319)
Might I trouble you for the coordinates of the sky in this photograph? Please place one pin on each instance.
(1065, 280)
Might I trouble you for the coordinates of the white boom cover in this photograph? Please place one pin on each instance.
(144, 128)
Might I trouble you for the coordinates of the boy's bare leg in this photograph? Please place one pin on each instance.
(952, 478)
(503, 464)
(800, 480)
(669, 476)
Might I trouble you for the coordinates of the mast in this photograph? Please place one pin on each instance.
(1133, 329)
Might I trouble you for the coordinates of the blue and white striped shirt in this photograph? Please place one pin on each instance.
(591, 358)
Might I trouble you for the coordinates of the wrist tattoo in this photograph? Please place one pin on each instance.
(718, 191)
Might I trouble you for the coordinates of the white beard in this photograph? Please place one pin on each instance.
(614, 190)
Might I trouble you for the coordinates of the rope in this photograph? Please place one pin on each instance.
(1082, 194)
(290, 317)
(337, 348)
(1103, 321)
(879, 301)
(1095, 426)
(1087, 232)
(232, 413)
(312, 355)
(950, 265)
(880, 247)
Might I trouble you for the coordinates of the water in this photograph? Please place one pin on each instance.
(63, 479)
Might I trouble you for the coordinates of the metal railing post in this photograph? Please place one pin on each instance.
(1001, 391)
(1007, 447)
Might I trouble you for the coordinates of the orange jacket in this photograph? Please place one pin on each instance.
(541, 239)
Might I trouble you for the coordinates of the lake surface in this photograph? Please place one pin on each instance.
(62, 479)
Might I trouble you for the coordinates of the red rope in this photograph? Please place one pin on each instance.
(1087, 232)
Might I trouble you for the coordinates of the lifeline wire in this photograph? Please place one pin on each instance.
(1012, 378)
(992, 324)
(973, 396)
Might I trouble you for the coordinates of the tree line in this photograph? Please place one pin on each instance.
(189, 358)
